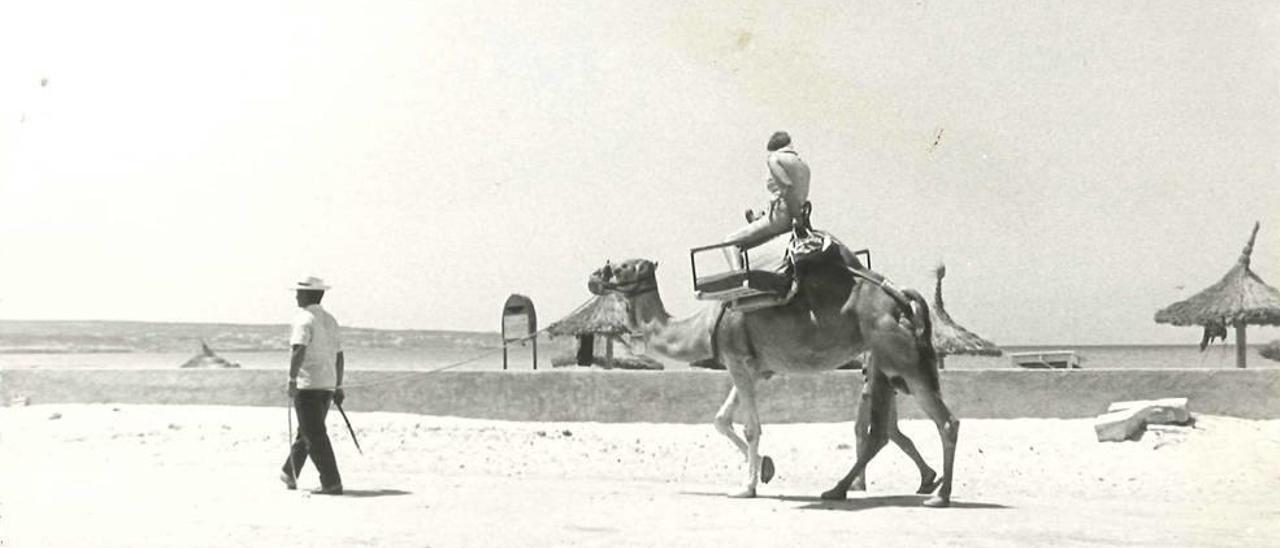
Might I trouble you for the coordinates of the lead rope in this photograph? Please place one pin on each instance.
(461, 363)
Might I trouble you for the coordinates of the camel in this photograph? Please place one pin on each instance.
(839, 311)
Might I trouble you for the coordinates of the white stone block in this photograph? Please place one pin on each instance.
(1121, 425)
(1161, 411)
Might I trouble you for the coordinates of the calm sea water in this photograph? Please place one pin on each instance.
(1128, 357)
(1095, 357)
(398, 359)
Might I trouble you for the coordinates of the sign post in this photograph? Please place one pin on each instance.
(519, 322)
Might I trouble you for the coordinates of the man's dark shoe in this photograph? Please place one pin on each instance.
(331, 490)
(288, 481)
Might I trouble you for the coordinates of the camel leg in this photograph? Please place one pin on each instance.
(928, 476)
(930, 401)
(861, 429)
(724, 421)
(745, 385)
(880, 396)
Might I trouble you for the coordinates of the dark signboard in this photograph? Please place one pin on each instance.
(519, 323)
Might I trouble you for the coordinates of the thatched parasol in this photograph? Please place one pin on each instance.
(948, 336)
(605, 315)
(1240, 298)
(207, 359)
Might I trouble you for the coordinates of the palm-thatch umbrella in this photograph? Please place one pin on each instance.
(605, 315)
(207, 359)
(1240, 298)
(1271, 351)
(948, 336)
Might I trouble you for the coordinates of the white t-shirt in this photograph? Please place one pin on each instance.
(316, 329)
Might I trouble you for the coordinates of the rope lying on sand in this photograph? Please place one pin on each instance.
(502, 348)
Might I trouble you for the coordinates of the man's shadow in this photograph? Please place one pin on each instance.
(366, 493)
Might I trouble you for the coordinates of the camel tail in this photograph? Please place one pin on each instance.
(924, 338)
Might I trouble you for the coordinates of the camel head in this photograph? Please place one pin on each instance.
(630, 277)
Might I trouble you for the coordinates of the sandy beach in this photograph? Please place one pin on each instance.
(138, 475)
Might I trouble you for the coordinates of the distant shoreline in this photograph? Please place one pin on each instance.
(20, 350)
(62, 344)
(14, 322)
(10, 328)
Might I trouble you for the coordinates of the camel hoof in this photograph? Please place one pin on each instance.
(748, 493)
(766, 469)
(937, 502)
(836, 493)
(929, 484)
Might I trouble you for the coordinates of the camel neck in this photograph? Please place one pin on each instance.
(650, 314)
(685, 339)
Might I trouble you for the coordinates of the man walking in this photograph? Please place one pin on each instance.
(315, 380)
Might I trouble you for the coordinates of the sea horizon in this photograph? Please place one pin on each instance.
(132, 344)
(11, 328)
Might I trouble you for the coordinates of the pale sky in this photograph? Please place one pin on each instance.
(1094, 161)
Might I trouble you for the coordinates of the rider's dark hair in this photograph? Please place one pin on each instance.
(778, 140)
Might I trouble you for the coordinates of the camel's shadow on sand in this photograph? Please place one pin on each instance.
(891, 501)
(855, 504)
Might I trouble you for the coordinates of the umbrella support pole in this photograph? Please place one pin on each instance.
(608, 352)
(1242, 347)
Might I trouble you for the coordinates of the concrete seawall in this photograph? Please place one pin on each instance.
(669, 397)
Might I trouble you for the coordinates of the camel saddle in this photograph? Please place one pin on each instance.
(767, 277)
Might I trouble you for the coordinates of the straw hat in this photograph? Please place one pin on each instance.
(310, 283)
